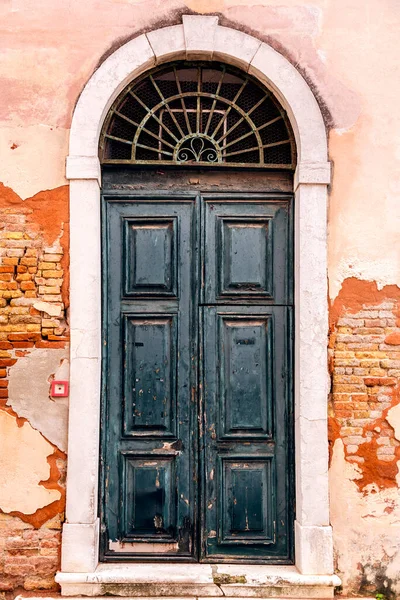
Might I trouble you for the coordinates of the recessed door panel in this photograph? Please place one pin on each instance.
(150, 375)
(244, 349)
(150, 263)
(247, 500)
(149, 498)
(245, 255)
(248, 249)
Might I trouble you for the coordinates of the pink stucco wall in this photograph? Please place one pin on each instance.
(348, 52)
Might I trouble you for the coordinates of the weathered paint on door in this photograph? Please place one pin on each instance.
(197, 419)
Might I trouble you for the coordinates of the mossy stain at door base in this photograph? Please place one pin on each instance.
(225, 579)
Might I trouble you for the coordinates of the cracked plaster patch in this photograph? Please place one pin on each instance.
(32, 401)
(385, 271)
(365, 526)
(54, 310)
(25, 150)
(23, 465)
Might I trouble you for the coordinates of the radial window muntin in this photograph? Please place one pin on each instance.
(198, 113)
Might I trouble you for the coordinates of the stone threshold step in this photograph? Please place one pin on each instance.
(149, 580)
(203, 593)
(40, 596)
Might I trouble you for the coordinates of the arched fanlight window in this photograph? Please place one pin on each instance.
(197, 113)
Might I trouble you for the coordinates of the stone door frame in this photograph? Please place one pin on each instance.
(199, 37)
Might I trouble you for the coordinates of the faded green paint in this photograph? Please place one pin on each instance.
(151, 424)
(196, 437)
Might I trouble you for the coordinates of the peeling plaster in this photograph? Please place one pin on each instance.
(366, 527)
(28, 388)
(54, 310)
(364, 488)
(355, 293)
(33, 158)
(23, 465)
(47, 212)
(383, 271)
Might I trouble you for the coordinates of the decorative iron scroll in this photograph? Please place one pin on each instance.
(197, 114)
(197, 148)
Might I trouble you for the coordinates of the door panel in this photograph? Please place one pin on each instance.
(149, 509)
(151, 343)
(151, 257)
(246, 433)
(247, 500)
(247, 246)
(245, 242)
(245, 385)
(150, 421)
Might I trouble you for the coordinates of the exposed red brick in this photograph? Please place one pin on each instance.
(365, 384)
(355, 293)
(5, 345)
(393, 339)
(22, 564)
(43, 344)
(23, 344)
(24, 337)
(7, 362)
(27, 285)
(372, 381)
(7, 584)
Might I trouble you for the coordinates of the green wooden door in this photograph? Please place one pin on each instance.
(150, 421)
(197, 417)
(247, 394)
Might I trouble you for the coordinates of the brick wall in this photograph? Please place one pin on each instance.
(29, 557)
(33, 303)
(30, 272)
(365, 365)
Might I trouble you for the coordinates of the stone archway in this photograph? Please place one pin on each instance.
(199, 37)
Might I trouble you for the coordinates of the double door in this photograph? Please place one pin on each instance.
(197, 378)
